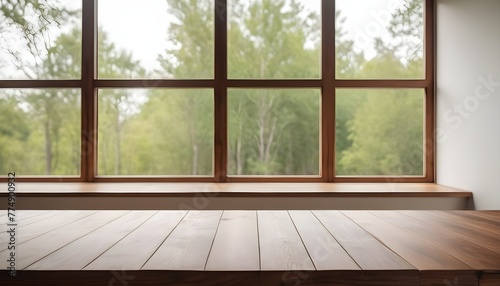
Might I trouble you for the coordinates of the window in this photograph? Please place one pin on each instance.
(217, 90)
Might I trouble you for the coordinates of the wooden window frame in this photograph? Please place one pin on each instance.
(89, 84)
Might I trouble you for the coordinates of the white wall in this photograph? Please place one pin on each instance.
(468, 107)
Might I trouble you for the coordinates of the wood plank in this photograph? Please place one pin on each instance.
(45, 215)
(420, 254)
(188, 246)
(490, 215)
(489, 279)
(236, 245)
(467, 218)
(366, 251)
(130, 278)
(21, 215)
(472, 233)
(325, 251)
(342, 278)
(35, 249)
(478, 257)
(449, 278)
(135, 249)
(61, 219)
(280, 245)
(79, 253)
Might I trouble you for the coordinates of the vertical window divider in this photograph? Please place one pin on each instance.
(88, 91)
(220, 91)
(328, 91)
(429, 53)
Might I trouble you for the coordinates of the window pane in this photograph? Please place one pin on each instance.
(379, 39)
(156, 39)
(155, 132)
(274, 39)
(40, 39)
(40, 132)
(273, 132)
(380, 132)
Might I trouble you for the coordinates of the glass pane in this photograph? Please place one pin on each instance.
(40, 132)
(273, 132)
(156, 39)
(380, 39)
(274, 39)
(40, 39)
(156, 132)
(380, 132)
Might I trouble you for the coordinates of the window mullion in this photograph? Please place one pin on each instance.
(89, 120)
(220, 92)
(328, 91)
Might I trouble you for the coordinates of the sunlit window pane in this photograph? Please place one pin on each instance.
(273, 132)
(379, 132)
(156, 39)
(379, 39)
(155, 132)
(41, 40)
(40, 132)
(274, 39)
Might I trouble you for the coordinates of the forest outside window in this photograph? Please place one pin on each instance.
(217, 90)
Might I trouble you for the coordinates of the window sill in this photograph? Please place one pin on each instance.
(421, 190)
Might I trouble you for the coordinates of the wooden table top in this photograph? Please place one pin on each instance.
(258, 247)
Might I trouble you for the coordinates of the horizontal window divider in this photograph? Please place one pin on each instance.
(41, 83)
(275, 179)
(136, 179)
(383, 179)
(274, 83)
(155, 83)
(38, 179)
(382, 83)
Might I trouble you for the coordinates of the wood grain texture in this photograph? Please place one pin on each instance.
(472, 233)
(438, 248)
(341, 278)
(132, 252)
(489, 279)
(366, 251)
(468, 218)
(44, 215)
(188, 246)
(77, 254)
(476, 256)
(236, 245)
(449, 278)
(20, 215)
(242, 189)
(36, 249)
(493, 215)
(60, 219)
(325, 251)
(419, 253)
(280, 245)
(131, 278)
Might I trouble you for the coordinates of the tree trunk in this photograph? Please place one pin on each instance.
(48, 149)
(118, 147)
(192, 136)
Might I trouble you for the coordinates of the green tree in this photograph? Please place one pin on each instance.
(29, 22)
(381, 131)
(270, 40)
(116, 106)
(386, 134)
